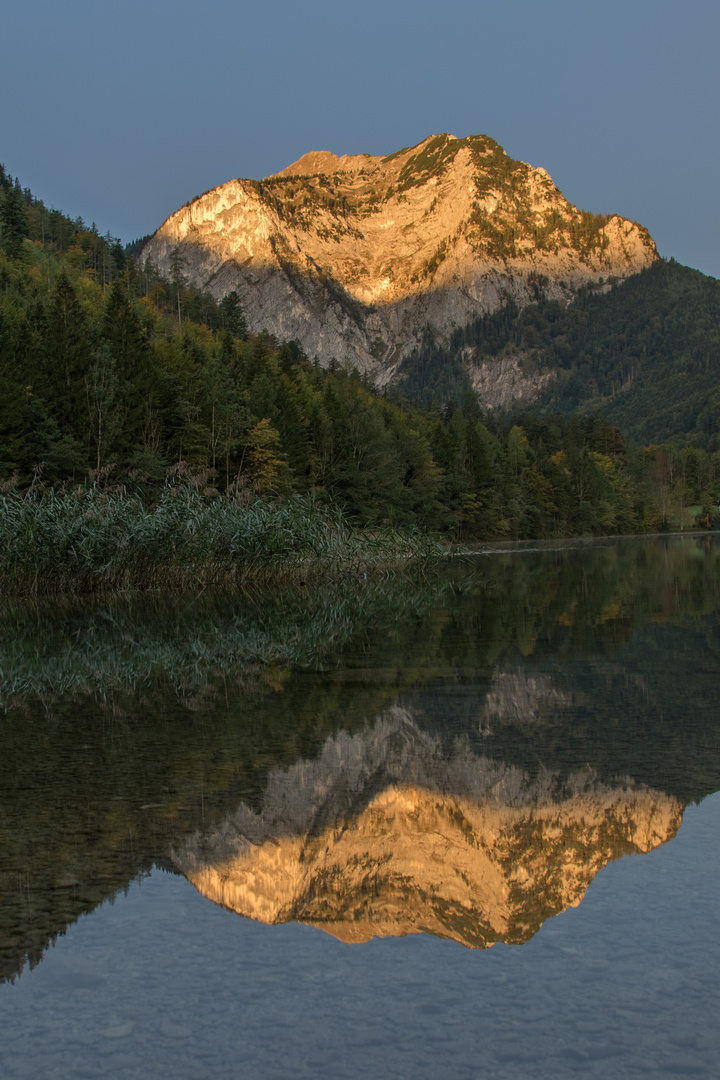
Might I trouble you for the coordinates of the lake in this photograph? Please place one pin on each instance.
(459, 822)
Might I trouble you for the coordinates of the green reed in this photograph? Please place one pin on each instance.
(90, 540)
(51, 648)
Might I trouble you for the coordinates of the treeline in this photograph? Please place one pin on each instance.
(645, 354)
(115, 376)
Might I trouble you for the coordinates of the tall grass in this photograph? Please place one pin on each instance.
(89, 540)
(139, 642)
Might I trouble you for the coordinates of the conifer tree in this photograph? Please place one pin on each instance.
(101, 388)
(14, 225)
(67, 355)
(233, 317)
(177, 277)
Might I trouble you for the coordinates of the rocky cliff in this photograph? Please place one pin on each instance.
(355, 256)
(387, 833)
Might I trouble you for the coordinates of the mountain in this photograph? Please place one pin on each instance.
(110, 369)
(644, 354)
(357, 256)
(133, 696)
(352, 842)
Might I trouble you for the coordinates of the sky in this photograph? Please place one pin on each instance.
(120, 112)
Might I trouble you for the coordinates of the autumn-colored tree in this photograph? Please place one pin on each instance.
(266, 461)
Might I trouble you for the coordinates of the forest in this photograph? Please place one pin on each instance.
(643, 353)
(123, 382)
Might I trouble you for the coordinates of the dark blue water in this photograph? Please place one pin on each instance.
(163, 983)
(569, 697)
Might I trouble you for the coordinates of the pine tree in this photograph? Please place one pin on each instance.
(177, 277)
(14, 225)
(101, 388)
(67, 359)
(233, 317)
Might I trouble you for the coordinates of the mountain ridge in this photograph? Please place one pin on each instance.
(355, 256)
(351, 842)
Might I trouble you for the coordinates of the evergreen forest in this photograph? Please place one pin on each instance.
(643, 353)
(118, 379)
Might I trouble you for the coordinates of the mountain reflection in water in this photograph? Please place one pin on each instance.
(458, 754)
(384, 834)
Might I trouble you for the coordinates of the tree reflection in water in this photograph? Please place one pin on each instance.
(458, 753)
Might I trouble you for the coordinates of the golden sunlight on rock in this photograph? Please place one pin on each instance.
(386, 834)
(355, 256)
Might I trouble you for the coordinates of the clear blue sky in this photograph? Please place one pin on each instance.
(122, 111)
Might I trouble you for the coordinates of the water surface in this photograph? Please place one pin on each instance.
(518, 751)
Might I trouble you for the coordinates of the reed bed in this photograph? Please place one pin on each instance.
(135, 642)
(89, 540)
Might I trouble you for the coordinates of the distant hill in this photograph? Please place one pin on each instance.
(644, 354)
(356, 256)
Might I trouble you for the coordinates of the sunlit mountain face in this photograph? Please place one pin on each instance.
(457, 754)
(385, 834)
(357, 256)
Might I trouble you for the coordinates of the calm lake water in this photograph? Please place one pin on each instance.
(460, 824)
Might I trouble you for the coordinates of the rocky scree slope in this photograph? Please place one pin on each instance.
(355, 256)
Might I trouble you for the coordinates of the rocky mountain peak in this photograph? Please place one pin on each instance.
(388, 833)
(356, 255)
(323, 162)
